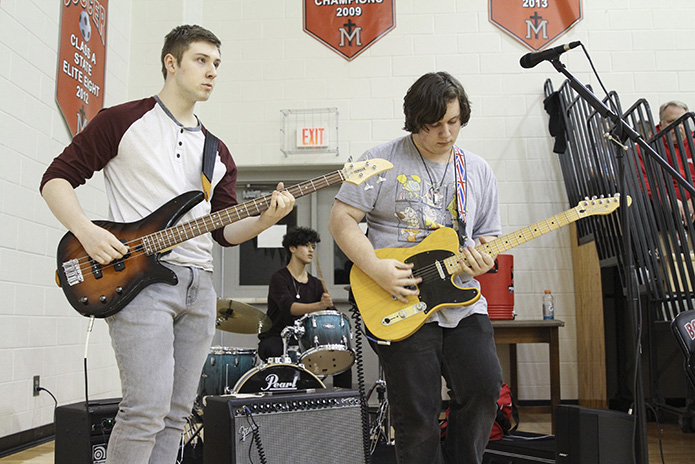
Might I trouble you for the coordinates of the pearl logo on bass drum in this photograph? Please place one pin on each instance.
(277, 378)
(274, 383)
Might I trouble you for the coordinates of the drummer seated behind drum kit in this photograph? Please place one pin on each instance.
(324, 348)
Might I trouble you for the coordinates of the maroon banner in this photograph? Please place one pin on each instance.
(81, 61)
(348, 27)
(535, 23)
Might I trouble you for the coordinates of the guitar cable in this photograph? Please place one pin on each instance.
(364, 409)
(86, 347)
(256, 437)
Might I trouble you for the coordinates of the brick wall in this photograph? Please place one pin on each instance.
(270, 64)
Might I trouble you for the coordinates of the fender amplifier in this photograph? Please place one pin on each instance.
(323, 425)
(82, 432)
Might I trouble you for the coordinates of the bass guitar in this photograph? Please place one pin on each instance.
(437, 260)
(101, 291)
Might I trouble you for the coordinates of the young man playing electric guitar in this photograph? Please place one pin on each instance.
(151, 151)
(418, 197)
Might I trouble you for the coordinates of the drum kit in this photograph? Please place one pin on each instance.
(324, 348)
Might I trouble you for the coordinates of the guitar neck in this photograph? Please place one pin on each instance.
(521, 236)
(175, 235)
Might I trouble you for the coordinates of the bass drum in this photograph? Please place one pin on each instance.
(277, 378)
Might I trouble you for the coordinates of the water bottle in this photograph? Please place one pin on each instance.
(548, 305)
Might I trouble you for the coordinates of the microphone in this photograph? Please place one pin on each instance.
(530, 60)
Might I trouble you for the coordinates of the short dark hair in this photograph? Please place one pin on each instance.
(180, 38)
(300, 236)
(427, 99)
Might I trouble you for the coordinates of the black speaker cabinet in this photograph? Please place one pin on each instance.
(323, 426)
(593, 436)
(82, 432)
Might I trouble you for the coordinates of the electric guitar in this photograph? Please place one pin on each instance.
(101, 291)
(436, 260)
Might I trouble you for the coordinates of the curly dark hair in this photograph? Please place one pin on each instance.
(180, 38)
(299, 236)
(427, 99)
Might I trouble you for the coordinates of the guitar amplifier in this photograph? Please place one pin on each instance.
(592, 436)
(324, 425)
(82, 432)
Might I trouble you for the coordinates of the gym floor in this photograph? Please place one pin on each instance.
(678, 447)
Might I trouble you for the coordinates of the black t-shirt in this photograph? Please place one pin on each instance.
(282, 293)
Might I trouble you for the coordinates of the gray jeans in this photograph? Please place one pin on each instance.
(467, 358)
(161, 340)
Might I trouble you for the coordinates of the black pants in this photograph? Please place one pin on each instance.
(467, 358)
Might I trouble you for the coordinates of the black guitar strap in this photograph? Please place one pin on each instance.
(209, 153)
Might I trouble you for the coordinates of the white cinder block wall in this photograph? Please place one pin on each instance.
(270, 64)
(39, 332)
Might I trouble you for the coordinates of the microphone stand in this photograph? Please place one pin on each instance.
(619, 134)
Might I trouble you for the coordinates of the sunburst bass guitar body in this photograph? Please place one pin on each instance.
(101, 291)
(437, 259)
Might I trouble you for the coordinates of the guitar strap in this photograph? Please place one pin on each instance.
(209, 153)
(461, 197)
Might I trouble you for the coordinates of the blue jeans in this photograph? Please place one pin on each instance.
(467, 358)
(161, 340)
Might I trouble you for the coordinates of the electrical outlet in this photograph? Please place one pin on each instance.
(37, 385)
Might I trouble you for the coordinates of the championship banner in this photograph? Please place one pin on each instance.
(348, 27)
(535, 23)
(81, 61)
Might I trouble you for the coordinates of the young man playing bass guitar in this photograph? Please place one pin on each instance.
(418, 197)
(151, 151)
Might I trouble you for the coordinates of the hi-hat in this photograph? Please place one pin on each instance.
(238, 317)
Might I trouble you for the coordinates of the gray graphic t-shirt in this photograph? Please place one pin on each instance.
(411, 202)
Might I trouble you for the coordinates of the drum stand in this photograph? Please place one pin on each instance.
(380, 430)
(295, 331)
(191, 438)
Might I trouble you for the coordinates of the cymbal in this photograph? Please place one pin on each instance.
(238, 317)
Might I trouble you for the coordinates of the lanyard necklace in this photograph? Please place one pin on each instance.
(436, 196)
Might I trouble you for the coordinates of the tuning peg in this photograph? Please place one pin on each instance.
(349, 160)
(368, 187)
(380, 179)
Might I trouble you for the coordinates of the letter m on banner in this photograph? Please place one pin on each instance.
(535, 23)
(348, 27)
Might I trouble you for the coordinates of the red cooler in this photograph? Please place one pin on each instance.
(497, 286)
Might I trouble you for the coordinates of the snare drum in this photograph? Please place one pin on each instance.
(223, 368)
(326, 343)
(277, 378)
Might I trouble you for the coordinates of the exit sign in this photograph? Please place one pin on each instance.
(312, 137)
